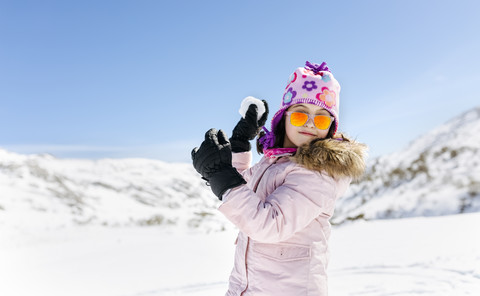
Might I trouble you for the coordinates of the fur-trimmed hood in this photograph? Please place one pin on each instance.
(338, 157)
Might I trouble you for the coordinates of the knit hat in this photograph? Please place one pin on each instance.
(312, 84)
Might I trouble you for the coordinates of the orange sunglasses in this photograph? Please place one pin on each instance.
(322, 122)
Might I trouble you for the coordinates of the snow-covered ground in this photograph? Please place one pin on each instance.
(412, 256)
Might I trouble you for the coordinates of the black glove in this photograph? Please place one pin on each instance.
(213, 160)
(247, 128)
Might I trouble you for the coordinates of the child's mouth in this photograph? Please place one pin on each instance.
(307, 134)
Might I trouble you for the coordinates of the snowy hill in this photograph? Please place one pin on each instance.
(437, 174)
(42, 190)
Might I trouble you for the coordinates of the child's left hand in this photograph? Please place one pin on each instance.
(247, 128)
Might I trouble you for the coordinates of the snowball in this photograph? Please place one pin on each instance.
(247, 102)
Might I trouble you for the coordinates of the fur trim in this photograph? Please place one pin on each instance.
(338, 157)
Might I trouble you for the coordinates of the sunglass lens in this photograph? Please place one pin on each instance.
(298, 119)
(322, 122)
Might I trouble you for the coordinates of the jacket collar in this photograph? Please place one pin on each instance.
(338, 157)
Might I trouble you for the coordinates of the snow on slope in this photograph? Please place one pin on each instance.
(437, 174)
(43, 191)
(408, 257)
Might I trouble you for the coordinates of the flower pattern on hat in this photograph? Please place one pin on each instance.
(293, 77)
(327, 96)
(289, 95)
(309, 85)
(326, 77)
(307, 72)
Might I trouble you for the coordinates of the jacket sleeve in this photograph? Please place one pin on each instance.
(241, 161)
(303, 196)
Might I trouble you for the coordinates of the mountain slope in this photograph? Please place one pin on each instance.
(437, 174)
(43, 190)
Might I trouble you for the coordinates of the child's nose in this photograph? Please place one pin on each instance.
(310, 122)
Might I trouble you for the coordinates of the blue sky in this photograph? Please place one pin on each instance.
(145, 78)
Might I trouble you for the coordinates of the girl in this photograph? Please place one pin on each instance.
(282, 205)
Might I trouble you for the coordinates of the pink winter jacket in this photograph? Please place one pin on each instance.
(283, 216)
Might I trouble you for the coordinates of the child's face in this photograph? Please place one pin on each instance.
(299, 135)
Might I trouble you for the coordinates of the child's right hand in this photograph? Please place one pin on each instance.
(247, 128)
(213, 160)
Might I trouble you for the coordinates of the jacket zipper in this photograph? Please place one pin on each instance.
(248, 238)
